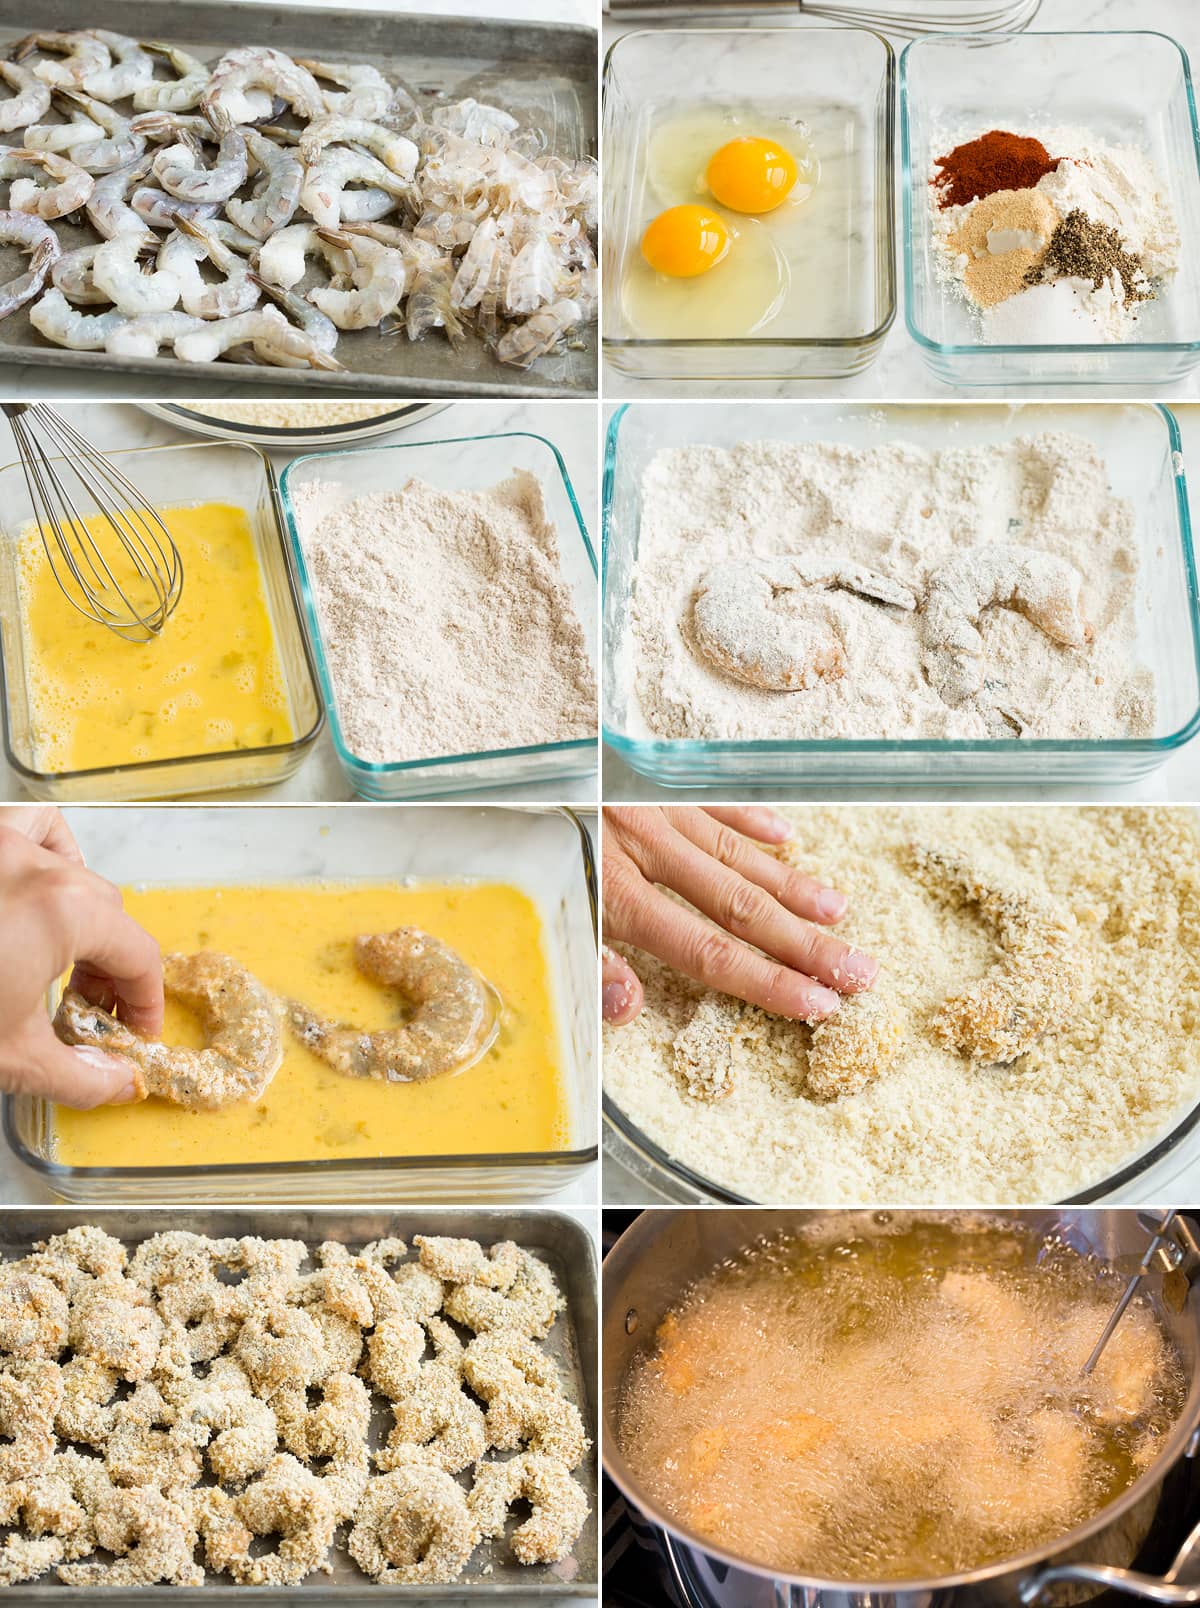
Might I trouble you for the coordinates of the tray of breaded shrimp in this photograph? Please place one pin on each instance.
(340, 1401)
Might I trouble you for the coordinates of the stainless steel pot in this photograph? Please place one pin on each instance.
(664, 1250)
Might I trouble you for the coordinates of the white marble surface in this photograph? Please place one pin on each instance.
(572, 426)
(899, 372)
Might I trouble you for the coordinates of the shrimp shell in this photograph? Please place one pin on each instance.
(452, 1025)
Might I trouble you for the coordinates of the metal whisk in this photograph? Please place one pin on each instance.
(904, 17)
(122, 569)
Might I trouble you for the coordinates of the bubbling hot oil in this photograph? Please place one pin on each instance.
(897, 1398)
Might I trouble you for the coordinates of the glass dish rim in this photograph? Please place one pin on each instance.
(142, 767)
(347, 757)
(701, 748)
(541, 1160)
(979, 348)
(284, 435)
(886, 203)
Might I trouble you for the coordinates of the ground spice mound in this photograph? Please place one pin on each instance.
(1081, 248)
(990, 276)
(995, 161)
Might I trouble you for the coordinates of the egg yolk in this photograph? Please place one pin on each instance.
(751, 175)
(685, 242)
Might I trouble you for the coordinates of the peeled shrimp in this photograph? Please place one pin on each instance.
(130, 68)
(1043, 587)
(162, 211)
(1034, 986)
(70, 190)
(30, 100)
(117, 271)
(328, 200)
(181, 171)
(413, 1527)
(179, 94)
(72, 274)
(367, 92)
(283, 257)
(85, 54)
(321, 331)
(379, 275)
(54, 317)
(558, 1505)
(36, 238)
(277, 191)
(263, 324)
(255, 68)
(451, 1027)
(180, 256)
(62, 137)
(765, 624)
(107, 208)
(395, 151)
(115, 142)
(241, 1023)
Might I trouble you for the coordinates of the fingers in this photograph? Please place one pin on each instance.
(75, 1075)
(44, 825)
(802, 895)
(755, 820)
(621, 995)
(117, 961)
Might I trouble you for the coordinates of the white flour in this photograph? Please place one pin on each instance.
(901, 510)
(448, 625)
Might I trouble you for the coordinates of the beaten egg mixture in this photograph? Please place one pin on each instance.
(297, 939)
(211, 681)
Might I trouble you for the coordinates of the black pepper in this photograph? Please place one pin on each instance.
(1081, 248)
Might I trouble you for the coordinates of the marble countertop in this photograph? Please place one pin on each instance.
(571, 426)
(899, 371)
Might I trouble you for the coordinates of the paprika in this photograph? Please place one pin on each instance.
(995, 161)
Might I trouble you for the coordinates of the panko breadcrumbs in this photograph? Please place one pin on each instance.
(935, 1127)
(294, 415)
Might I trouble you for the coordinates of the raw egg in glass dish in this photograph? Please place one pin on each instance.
(749, 163)
(717, 278)
(751, 174)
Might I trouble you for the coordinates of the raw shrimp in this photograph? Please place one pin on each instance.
(108, 210)
(452, 1025)
(118, 272)
(328, 201)
(765, 623)
(72, 274)
(71, 188)
(413, 1527)
(181, 255)
(85, 54)
(62, 137)
(181, 93)
(54, 317)
(277, 189)
(379, 275)
(263, 324)
(115, 142)
(1041, 586)
(241, 1023)
(1035, 985)
(558, 1504)
(36, 238)
(395, 151)
(147, 335)
(254, 68)
(162, 211)
(367, 92)
(132, 68)
(181, 172)
(282, 257)
(321, 331)
(30, 100)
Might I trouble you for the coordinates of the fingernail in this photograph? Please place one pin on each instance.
(778, 830)
(831, 904)
(128, 1094)
(861, 968)
(822, 1002)
(615, 1001)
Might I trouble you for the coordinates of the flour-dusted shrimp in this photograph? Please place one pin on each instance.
(1035, 984)
(30, 100)
(277, 188)
(37, 239)
(33, 1315)
(249, 68)
(181, 255)
(366, 92)
(558, 1502)
(182, 172)
(85, 53)
(765, 622)
(413, 1527)
(378, 279)
(108, 209)
(115, 142)
(1046, 589)
(452, 1024)
(70, 190)
(153, 1538)
(241, 1023)
(31, 1394)
(326, 195)
(286, 1500)
(131, 67)
(395, 151)
(854, 1046)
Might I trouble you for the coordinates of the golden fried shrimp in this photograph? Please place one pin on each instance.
(453, 1020)
(413, 1527)
(153, 1537)
(854, 1046)
(241, 1022)
(1033, 987)
(766, 623)
(288, 1501)
(529, 1306)
(464, 1261)
(31, 1394)
(113, 1323)
(703, 1048)
(86, 1413)
(559, 1505)
(33, 1315)
(1046, 589)
(281, 1345)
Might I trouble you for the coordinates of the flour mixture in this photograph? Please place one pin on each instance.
(902, 515)
(954, 1110)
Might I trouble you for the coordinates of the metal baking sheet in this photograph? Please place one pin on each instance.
(543, 73)
(562, 1241)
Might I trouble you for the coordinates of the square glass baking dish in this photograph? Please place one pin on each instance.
(845, 76)
(561, 1240)
(1141, 444)
(169, 476)
(465, 463)
(1129, 88)
(544, 852)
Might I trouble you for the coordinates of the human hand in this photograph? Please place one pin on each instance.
(707, 856)
(55, 913)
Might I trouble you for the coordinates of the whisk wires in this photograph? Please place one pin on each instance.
(130, 584)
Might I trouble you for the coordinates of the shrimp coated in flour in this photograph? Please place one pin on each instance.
(241, 1022)
(452, 1024)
